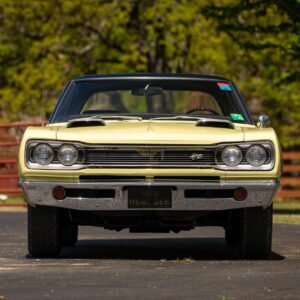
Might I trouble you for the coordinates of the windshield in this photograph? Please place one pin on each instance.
(148, 99)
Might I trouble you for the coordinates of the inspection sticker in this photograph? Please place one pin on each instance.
(224, 86)
(237, 117)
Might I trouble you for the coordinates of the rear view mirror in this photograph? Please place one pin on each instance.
(147, 91)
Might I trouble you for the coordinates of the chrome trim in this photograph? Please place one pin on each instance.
(219, 165)
(264, 121)
(265, 167)
(260, 193)
(141, 77)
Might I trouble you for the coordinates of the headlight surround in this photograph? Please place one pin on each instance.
(42, 154)
(256, 155)
(232, 156)
(67, 155)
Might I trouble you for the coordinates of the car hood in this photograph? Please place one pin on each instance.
(150, 132)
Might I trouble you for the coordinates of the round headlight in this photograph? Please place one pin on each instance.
(256, 155)
(42, 154)
(67, 155)
(232, 156)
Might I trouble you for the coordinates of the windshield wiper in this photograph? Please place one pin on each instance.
(184, 118)
(116, 117)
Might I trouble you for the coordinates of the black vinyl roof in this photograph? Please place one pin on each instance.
(179, 76)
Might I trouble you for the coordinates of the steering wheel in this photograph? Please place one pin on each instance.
(199, 108)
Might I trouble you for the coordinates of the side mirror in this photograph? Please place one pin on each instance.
(263, 121)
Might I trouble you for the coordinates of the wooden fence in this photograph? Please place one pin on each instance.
(290, 181)
(10, 135)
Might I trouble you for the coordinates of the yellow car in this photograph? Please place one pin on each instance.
(150, 153)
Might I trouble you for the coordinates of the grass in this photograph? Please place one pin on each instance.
(287, 205)
(287, 219)
(287, 211)
(18, 200)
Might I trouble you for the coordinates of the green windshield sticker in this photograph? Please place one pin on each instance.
(237, 117)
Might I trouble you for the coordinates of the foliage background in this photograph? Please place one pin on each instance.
(253, 42)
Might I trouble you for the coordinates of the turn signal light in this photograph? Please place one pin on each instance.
(240, 194)
(59, 193)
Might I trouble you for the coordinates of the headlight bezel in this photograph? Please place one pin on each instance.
(268, 165)
(55, 163)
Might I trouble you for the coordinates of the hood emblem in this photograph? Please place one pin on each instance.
(196, 156)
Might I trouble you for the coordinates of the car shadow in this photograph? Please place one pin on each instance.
(155, 249)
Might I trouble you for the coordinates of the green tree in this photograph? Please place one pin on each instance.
(43, 44)
(268, 34)
(71, 38)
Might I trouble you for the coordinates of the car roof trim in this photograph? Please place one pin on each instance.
(145, 76)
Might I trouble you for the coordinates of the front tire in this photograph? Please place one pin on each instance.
(44, 231)
(250, 230)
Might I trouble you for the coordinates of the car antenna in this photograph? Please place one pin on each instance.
(42, 93)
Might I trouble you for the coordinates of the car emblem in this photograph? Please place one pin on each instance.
(196, 156)
(150, 153)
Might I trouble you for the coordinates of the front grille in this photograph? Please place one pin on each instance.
(150, 156)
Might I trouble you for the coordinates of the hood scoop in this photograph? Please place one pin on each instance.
(85, 123)
(215, 123)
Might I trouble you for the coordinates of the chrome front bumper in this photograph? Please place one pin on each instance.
(260, 193)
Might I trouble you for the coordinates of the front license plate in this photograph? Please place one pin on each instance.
(150, 197)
